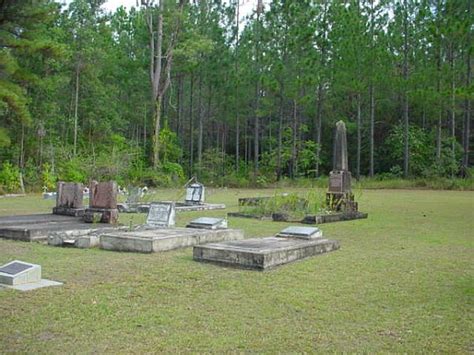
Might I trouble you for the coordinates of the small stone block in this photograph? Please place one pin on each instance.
(19, 272)
(208, 223)
(300, 232)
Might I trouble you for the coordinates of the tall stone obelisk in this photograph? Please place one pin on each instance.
(339, 196)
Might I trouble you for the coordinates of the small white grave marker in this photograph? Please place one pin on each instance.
(161, 215)
(23, 276)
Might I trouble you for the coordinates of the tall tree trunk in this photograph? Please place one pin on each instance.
(156, 133)
(438, 82)
(406, 150)
(319, 110)
(237, 143)
(280, 134)
(453, 105)
(359, 135)
(191, 126)
(294, 165)
(372, 130)
(76, 105)
(200, 128)
(467, 103)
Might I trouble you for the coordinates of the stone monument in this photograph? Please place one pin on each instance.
(69, 199)
(102, 203)
(161, 215)
(339, 196)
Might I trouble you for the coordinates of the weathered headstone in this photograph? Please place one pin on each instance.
(208, 223)
(195, 193)
(23, 276)
(161, 215)
(69, 199)
(339, 196)
(102, 202)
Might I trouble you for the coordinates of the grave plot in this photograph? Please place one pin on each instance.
(158, 234)
(291, 244)
(66, 221)
(23, 276)
(194, 201)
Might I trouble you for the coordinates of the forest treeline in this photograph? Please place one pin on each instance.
(171, 89)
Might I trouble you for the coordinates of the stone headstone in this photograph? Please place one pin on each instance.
(69, 199)
(102, 203)
(300, 232)
(195, 193)
(340, 148)
(208, 223)
(134, 195)
(161, 215)
(103, 195)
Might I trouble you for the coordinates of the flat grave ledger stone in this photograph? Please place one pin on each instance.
(291, 244)
(102, 203)
(300, 232)
(23, 276)
(161, 215)
(69, 199)
(208, 223)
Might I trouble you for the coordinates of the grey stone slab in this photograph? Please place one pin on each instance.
(156, 240)
(262, 253)
(35, 219)
(208, 223)
(301, 232)
(33, 285)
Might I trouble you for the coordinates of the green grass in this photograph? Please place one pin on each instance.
(401, 282)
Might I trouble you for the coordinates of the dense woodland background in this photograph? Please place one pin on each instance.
(173, 89)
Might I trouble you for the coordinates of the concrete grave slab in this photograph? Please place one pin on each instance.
(23, 276)
(208, 223)
(293, 243)
(156, 240)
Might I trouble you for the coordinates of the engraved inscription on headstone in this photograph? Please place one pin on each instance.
(15, 268)
(161, 215)
(195, 193)
(300, 232)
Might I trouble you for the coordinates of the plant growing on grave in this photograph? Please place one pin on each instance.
(48, 178)
(294, 205)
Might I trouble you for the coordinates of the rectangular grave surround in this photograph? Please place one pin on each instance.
(19, 272)
(150, 240)
(262, 253)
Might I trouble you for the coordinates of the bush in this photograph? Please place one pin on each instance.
(10, 177)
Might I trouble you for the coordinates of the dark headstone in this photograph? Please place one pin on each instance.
(102, 203)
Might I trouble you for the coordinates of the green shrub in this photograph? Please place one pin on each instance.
(10, 177)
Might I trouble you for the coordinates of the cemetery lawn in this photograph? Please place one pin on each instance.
(403, 281)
